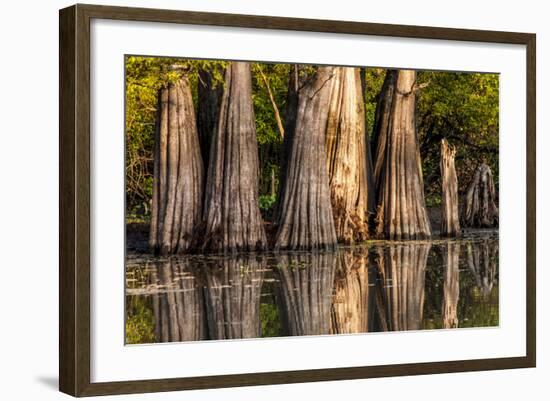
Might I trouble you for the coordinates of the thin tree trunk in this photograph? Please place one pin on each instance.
(209, 94)
(278, 119)
(232, 293)
(402, 270)
(178, 305)
(450, 225)
(451, 285)
(401, 210)
(347, 156)
(305, 289)
(178, 172)
(480, 209)
(305, 218)
(232, 217)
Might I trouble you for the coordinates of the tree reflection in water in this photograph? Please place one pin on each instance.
(178, 305)
(382, 287)
(305, 290)
(232, 294)
(451, 285)
(400, 286)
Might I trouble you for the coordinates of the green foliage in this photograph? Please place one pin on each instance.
(144, 77)
(270, 320)
(140, 322)
(266, 202)
(464, 108)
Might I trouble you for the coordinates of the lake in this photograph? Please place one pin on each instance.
(379, 286)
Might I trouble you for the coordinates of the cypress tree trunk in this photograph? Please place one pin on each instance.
(305, 218)
(381, 124)
(178, 172)
(306, 286)
(232, 217)
(402, 270)
(450, 225)
(401, 210)
(480, 209)
(347, 157)
(178, 305)
(209, 95)
(352, 308)
(451, 285)
(232, 294)
(482, 258)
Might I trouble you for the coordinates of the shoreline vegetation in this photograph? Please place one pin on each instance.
(232, 157)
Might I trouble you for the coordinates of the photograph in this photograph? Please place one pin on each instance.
(278, 199)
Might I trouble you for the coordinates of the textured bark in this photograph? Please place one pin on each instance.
(400, 288)
(401, 210)
(480, 209)
(178, 172)
(381, 124)
(178, 305)
(352, 306)
(450, 225)
(232, 294)
(482, 259)
(209, 94)
(451, 285)
(231, 214)
(305, 291)
(347, 150)
(305, 218)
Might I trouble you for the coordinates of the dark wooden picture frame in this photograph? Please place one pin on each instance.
(74, 204)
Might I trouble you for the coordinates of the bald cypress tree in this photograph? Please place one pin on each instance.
(349, 171)
(178, 172)
(305, 219)
(401, 209)
(232, 217)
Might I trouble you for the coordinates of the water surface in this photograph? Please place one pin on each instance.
(375, 287)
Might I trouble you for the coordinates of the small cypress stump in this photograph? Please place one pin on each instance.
(178, 172)
(450, 224)
(480, 209)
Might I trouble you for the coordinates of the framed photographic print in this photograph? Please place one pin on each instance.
(250, 200)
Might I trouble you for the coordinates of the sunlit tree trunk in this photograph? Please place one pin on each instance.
(232, 217)
(352, 307)
(401, 210)
(305, 218)
(305, 290)
(450, 225)
(451, 285)
(402, 270)
(209, 94)
(347, 157)
(480, 209)
(178, 305)
(232, 294)
(178, 172)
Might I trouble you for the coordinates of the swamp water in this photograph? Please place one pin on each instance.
(379, 286)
